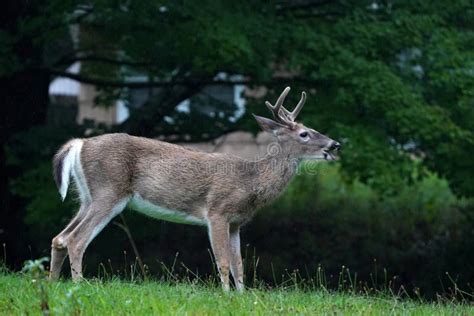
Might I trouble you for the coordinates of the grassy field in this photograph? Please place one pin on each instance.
(22, 295)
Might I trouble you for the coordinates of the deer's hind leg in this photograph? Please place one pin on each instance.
(99, 213)
(59, 243)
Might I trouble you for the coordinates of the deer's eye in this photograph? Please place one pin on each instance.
(304, 134)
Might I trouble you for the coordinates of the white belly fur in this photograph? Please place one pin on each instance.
(138, 204)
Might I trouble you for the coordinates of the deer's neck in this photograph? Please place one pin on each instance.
(275, 172)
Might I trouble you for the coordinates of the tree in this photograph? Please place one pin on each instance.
(395, 78)
(393, 81)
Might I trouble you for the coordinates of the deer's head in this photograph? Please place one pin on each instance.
(302, 141)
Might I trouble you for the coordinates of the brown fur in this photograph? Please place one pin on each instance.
(221, 190)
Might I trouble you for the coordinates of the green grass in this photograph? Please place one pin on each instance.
(19, 294)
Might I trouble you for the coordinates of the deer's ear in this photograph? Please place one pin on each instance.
(268, 125)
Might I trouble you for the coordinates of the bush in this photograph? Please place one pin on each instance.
(324, 220)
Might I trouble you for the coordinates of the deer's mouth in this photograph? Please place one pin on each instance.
(329, 155)
(329, 152)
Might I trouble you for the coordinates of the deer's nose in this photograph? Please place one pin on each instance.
(335, 146)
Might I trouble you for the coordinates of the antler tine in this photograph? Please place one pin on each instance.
(270, 107)
(292, 115)
(298, 107)
(281, 98)
(278, 106)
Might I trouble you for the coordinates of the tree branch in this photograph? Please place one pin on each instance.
(181, 82)
(144, 120)
(327, 15)
(81, 12)
(291, 6)
(101, 59)
(127, 231)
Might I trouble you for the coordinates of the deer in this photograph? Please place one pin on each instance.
(174, 183)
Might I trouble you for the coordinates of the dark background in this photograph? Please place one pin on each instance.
(393, 81)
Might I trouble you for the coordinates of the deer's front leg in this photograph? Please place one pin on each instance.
(236, 258)
(219, 237)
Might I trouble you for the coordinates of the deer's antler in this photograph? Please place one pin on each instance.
(281, 114)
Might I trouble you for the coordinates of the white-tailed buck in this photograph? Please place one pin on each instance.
(170, 182)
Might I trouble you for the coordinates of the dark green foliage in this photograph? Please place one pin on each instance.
(30, 154)
(322, 220)
(392, 81)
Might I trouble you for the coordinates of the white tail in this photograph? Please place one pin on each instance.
(67, 163)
